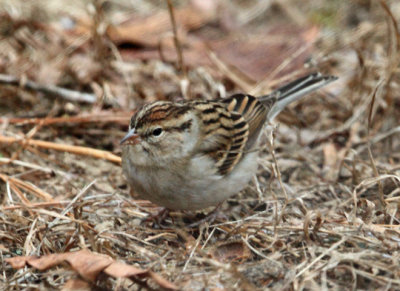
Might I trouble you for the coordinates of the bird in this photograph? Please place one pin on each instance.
(194, 154)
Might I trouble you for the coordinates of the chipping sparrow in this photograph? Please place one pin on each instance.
(194, 154)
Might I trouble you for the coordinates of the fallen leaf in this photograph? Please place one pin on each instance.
(4, 249)
(148, 31)
(263, 53)
(119, 269)
(76, 284)
(232, 251)
(254, 54)
(17, 262)
(88, 265)
(330, 157)
(366, 209)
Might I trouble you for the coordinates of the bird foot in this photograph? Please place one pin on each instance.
(158, 217)
(210, 217)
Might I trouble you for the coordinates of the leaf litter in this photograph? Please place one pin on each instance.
(322, 211)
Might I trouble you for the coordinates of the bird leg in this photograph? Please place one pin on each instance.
(210, 217)
(158, 217)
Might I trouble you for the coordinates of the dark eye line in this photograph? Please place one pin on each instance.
(158, 130)
(151, 132)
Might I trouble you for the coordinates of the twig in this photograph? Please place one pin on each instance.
(267, 82)
(367, 183)
(371, 158)
(193, 250)
(176, 39)
(31, 188)
(66, 94)
(326, 252)
(292, 12)
(357, 114)
(58, 216)
(278, 176)
(377, 138)
(235, 75)
(256, 251)
(85, 151)
(71, 203)
(184, 82)
(32, 166)
(394, 43)
(36, 205)
(114, 117)
(17, 191)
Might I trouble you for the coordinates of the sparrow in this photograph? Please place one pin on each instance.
(193, 154)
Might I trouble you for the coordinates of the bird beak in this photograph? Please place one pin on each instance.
(130, 138)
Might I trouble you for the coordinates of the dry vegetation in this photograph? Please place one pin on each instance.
(322, 212)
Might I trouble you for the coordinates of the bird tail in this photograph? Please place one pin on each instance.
(280, 98)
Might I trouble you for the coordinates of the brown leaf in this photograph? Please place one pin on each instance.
(46, 262)
(50, 72)
(76, 284)
(118, 269)
(330, 156)
(161, 281)
(121, 270)
(232, 251)
(263, 53)
(366, 209)
(17, 262)
(4, 249)
(148, 31)
(85, 68)
(258, 55)
(190, 241)
(88, 265)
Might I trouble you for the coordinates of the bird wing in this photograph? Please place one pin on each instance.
(243, 116)
(252, 111)
(231, 127)
(225, 135)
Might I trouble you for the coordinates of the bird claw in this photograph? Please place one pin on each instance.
(210, 217)
(158, 217)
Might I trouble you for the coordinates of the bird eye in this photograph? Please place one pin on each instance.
(157, 131)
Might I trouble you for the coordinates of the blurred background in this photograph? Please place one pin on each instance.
(73, 72)
(123, 51)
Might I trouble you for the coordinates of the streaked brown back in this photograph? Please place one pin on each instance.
(253, 112)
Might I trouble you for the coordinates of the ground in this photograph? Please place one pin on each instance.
(322, 212)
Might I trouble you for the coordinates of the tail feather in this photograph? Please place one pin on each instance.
(293, 91)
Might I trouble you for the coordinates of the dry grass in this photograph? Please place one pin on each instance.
(331, 221)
